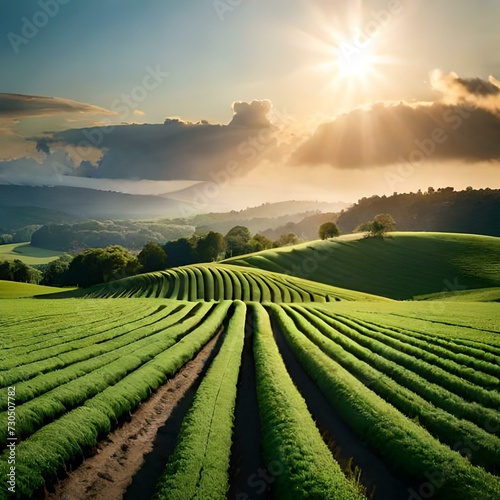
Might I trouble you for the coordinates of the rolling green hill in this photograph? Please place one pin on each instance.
(400, 266)
(476, 295)
(28, 254)
(223, 282)
(14, 290)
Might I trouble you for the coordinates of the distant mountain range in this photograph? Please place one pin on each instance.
(26, 205)
(23, 205)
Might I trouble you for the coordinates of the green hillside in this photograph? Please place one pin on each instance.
(14, 290)
(28, 254)
(400, 266)
(477, 295)
(223, 282)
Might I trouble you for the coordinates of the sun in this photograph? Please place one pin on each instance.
(354, 64)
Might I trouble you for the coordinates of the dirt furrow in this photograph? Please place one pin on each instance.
(108, 473)
(346, 446)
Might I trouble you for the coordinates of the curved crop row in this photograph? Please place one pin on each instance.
(33, 414)
(475, 354)
(419, 363)
(74, 340)
(399, 440)
(62, 325)
(80, 362)
(446, 427)
(464, 366)
(485, 418)
(224, 282)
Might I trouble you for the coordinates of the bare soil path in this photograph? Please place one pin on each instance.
(247, 461)
(107, 474)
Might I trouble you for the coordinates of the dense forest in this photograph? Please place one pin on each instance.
(89, 234)
(468, 211)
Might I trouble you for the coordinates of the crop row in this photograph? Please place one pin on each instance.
(66, 438)
(419, 415)
(61, 356)
(480, 356)
(290, 438)
(402, 442)
(68, 317)
(72, 393)
(208, 282)
(75, 337)
(447, 427)
(457, 379)
(102, 356)
(466, 366)
(401, 369)
(198, 467)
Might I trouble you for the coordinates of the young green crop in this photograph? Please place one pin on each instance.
(83, 361)
(34, 414)
(290, 437)
(485, 418)
(444, 359)
(477, 358)
(445, 426)
(198, 468)
(45, 452)
(403, 443)
(58, 357)
(434, 374)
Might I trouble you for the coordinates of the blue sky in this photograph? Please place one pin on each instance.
(315, 60)
(94, 50)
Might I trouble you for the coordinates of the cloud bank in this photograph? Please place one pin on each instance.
(464, 124)
(461, 126)
(173, 150)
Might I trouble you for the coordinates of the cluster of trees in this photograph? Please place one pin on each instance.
(16, 270)
(215, 246)
(19, 235)
(381, 224)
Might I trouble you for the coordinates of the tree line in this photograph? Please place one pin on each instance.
(101, 265)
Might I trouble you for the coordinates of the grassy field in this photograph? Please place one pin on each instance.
(400, 266)
(13, 290)
(349, 393)
(28, 254)
(80, 365)
(478, 295)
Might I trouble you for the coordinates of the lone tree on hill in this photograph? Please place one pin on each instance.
(328, 230)
(381, 224)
